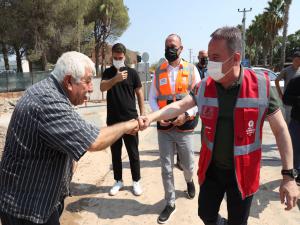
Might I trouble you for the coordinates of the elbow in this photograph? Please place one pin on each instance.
(102, 88)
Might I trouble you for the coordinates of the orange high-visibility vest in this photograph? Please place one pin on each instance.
(185, 81)
(249, 114)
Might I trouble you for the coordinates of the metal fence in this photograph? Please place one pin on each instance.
(11, 81)
(14, 82)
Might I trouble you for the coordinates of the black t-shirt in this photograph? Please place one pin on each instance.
(292, 97)
(121, 105)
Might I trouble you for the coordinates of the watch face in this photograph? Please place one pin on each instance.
(295, 173)
(292, 173)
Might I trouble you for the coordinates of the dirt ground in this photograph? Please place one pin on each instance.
(91, 204)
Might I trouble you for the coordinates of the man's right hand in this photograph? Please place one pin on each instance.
(144, 122)
(121, 75)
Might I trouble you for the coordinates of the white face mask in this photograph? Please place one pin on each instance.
(118, 63)
(214, 69)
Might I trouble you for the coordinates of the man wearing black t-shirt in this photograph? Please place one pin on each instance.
(122, 83)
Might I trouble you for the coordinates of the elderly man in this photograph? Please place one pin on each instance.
(202, 64)
(233, 103)
(45, 135)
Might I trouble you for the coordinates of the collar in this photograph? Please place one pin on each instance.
(179, 66)
(59, 87)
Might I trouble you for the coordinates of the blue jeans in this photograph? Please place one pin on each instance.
(294, 128)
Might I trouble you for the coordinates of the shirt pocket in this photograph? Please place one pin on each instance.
(246, 120)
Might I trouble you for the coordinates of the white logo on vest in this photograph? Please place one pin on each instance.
(250, 130)
(163, 81)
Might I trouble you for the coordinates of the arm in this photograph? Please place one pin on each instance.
(108, 135)
(193, 111)
(182, 118)
(167, 112)
(280, 77)
(108, 84)
(152, 96)
(288, 188)
(140, 98)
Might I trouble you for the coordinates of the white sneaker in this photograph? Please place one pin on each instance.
(116, 188)
(137, 190)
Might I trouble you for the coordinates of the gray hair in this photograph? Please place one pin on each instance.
(175, 35)
(231, 35)
(74, 64)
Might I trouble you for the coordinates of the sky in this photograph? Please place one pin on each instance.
(151, 21)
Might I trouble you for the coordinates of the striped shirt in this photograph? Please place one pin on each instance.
(44, 136)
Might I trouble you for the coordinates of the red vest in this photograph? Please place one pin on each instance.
(249, 114)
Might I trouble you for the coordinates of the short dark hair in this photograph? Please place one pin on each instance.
(119, 48)
(296, 54)
(231, 35)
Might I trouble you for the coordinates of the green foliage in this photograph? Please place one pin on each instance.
(43, 29)
(262, 34)
(110, 19)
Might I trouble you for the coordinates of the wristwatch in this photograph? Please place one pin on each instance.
(293, 173)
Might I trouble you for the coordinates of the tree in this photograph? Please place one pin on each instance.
(287, 4)
(110, 19)
(272, 23)
(256, 41)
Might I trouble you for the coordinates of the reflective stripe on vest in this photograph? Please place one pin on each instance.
(163, 68)
(249, 112)
(262, 103)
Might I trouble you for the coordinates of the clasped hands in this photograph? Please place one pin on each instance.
(143, 122)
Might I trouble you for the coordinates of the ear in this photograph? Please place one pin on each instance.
(67, 82)
(237, 58)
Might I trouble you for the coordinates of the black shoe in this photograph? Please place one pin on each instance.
(222, 221)
(191, 189)
(166, 214)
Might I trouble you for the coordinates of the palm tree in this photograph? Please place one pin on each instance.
(273, 22)
(287, 4)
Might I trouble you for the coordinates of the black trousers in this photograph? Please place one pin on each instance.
(7, 219)
(217, 183)
(131, 143)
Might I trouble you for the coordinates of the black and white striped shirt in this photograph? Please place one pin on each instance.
(44, 136)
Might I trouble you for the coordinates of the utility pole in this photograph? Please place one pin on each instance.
(190, 50)
(244, 11)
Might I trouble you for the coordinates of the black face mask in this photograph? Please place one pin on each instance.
(203, 61)
(171, 54)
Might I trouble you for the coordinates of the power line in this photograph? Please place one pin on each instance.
(244, 11)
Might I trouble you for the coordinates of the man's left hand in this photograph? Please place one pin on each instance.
(289, 193)
(181, 119)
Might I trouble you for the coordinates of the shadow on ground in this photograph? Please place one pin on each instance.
(117, 207)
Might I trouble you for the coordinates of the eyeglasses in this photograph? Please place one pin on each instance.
(87, 81)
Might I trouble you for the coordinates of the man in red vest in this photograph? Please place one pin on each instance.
(233, 103)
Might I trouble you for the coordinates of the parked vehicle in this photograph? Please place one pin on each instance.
(272, 75)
